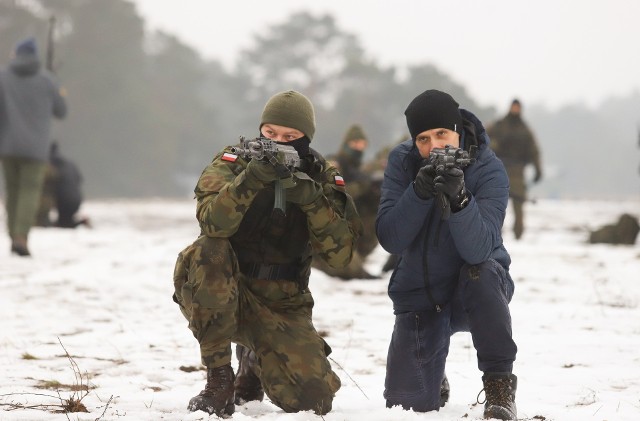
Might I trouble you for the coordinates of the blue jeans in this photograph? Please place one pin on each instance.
(420, 340)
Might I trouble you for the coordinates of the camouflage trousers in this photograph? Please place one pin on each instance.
(270, 317)
(518, 195)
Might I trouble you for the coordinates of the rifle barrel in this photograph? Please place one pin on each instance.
(50, 43)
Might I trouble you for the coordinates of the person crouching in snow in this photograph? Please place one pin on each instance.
(453, 272)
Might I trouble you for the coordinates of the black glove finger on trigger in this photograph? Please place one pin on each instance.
(429, 170)
(454, 172)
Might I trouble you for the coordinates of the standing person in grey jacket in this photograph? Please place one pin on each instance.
(453, 271)
(29, 98)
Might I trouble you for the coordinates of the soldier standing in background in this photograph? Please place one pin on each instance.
(365, 192)
(29, 98)
(245, 278)
(514, 143)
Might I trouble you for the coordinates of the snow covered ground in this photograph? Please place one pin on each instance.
(103, 295)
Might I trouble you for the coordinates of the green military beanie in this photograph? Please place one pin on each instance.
(290, 109)
(355, 132)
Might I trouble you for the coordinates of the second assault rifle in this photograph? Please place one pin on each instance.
(450, 157)
(264, 149)
(50, 44)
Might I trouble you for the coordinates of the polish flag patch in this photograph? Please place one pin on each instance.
(339, 180)
(229, 157)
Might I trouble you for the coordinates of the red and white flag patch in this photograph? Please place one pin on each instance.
(229, 157)
(339, 180)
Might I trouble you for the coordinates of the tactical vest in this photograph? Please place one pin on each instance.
(265, 237)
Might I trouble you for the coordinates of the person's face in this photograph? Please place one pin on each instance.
(280, 133)
(358, 144)
(436, 138)
(515, 109)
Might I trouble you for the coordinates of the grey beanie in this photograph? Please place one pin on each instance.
(290, 109)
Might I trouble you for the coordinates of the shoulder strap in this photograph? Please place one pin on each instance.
(316, 164)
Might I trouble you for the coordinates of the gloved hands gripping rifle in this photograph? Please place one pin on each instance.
(305, 191)
(443, 177)
(270, 162)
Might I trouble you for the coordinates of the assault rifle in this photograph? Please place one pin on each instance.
(450, 157)
(264, 149)
(50, 44)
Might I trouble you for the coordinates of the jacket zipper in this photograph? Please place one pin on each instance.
(425, 264)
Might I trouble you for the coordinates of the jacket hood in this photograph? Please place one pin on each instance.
(474, 132)
(25, 65)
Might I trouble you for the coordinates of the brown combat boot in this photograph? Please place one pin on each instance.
(500, 393)
(19, 246)
(217, 396)
(247, 384)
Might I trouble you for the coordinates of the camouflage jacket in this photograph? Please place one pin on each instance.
(514, 143)
(227, 207)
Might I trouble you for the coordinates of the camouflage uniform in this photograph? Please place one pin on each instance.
(245, 279)
(47, 198)
(514, 143)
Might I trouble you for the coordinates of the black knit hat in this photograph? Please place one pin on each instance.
(433, 109)
(290, 109)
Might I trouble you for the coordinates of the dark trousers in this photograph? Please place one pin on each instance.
(420, 340)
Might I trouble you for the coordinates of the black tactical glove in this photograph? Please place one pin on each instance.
(451, 184)
(305, 190)
(424, 185)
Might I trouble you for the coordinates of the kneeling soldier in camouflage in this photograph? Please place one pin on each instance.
(245, 278)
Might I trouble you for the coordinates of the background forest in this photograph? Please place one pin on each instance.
(147, 112)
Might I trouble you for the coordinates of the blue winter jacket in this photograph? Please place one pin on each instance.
(412, 228)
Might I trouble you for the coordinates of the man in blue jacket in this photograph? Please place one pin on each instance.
(453, 271)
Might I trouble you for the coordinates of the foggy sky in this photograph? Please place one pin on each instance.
(547, 52)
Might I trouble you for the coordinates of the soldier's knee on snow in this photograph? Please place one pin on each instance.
(314, 395)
